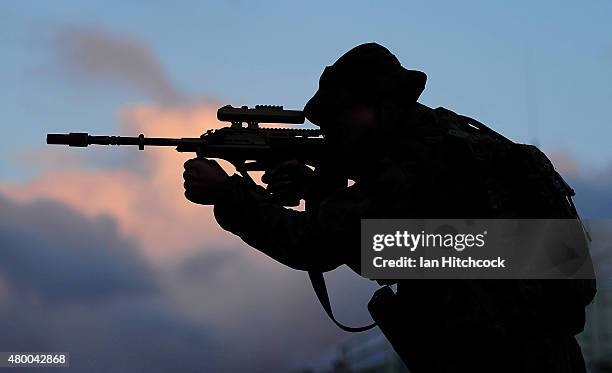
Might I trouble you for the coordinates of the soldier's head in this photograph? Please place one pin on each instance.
(352, 91)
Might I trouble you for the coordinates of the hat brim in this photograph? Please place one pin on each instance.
(404, 84)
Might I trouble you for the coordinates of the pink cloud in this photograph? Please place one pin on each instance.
(564, 161)
(145, 196)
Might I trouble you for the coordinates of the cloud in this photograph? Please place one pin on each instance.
(141, 191)
(90, 53)
(144, 192)
(564, 161)
(50, 251)
(73, 283)
(269, 314)
(127, 336)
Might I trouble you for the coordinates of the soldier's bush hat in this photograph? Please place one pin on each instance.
(367, 73)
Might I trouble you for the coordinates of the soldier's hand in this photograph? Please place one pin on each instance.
(288, 181)
(204, 178)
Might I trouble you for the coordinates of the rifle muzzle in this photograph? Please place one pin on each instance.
(72, 139)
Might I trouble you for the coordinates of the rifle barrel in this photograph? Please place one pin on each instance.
(84, 139)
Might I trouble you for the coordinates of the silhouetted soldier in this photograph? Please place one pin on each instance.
(410, 161)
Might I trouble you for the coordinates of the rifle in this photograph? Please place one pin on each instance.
(249, 148)
(263, 147)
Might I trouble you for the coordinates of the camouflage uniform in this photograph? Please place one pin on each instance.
(430, 164)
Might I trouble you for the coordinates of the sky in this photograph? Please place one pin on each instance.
(106, 237)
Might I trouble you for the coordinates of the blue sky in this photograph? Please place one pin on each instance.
(533, 70)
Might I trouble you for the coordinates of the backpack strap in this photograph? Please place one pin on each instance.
(320, 288)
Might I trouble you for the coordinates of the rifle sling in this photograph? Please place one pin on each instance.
(320, 288)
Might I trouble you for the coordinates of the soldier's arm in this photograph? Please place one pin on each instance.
(322, 238)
